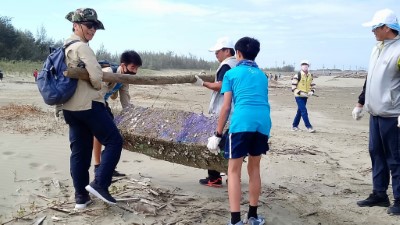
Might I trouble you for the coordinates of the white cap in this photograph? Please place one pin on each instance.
(304, 61)
(384, 17)
(223, 42)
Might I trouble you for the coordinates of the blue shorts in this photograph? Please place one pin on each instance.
(245, 143)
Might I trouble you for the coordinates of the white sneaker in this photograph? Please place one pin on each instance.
(295, 129)
(311, 130)
(82, 201)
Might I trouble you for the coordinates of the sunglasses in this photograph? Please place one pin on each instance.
(91, 25)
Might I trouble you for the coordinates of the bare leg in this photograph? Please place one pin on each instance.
(96, 151)
(253, 169)
(234, 186)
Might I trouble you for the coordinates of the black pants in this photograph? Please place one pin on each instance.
(213, 174)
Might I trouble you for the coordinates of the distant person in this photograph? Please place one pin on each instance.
(224, 52)
(1, 76)
(246, 87)
(86, 115)
(380, 97)
(129, 64)
(35, 74)
(302, 88)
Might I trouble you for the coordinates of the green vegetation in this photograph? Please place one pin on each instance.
(287, 68)
(22, 53)
(19, 67)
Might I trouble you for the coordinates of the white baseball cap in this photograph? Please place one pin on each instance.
(223, 42)
(383, 17)
(304, 61)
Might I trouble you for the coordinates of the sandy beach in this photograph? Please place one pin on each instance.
(307, 178)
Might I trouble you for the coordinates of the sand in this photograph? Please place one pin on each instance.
(306, 178)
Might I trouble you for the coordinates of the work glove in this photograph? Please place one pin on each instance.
(398, 121)
(303, 94)
(213, 143)
(199, 81)
(357, 113)
(310, 93)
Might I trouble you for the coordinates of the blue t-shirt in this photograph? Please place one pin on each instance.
(249, 87)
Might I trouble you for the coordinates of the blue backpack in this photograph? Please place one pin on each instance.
(55, 88)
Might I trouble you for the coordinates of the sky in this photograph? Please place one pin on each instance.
(327, 33)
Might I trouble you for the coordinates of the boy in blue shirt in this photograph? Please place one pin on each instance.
(246, 86)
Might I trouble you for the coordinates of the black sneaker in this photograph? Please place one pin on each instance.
(82, 201)
(375, 199)
(118, 174)
(211, 182)
(101, 193)
(115, 173)
(395, 209)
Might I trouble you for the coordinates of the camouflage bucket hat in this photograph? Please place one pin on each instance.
(84, 15)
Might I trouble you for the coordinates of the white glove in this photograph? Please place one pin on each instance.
(303, 94)
(357, 113)
(310, 93)
(199, 81)
(398, 121)
(213, 143)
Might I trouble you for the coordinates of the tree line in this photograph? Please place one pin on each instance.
(17, 45)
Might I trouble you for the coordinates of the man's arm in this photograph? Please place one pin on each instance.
(225, 110)
(295, 81)
(216, 86)
(357, 112)
(124, 96)
(361, 97)
(87, 56)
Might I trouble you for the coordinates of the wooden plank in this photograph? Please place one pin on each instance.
(171, 135)
(81, 73)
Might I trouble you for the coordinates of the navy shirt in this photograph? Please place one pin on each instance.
(222, 71)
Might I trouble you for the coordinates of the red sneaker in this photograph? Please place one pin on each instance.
(211, 182)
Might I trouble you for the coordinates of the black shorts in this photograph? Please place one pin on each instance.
(245, 143)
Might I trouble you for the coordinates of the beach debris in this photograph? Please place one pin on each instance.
(13, 111)
(172, 135)
(57, 219)
(309, 214)
(81, 73)
(56, 183)
(146, 209)
(40, 220)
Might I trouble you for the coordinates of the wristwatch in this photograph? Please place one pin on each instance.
(217, 134)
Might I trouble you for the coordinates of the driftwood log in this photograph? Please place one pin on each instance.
(81, 73)
(170, 135)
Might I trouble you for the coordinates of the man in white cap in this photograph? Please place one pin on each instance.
(302, 88)
(225, 53)
(381, 99)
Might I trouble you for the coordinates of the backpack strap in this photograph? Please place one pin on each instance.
(70, 43)
(298, 76)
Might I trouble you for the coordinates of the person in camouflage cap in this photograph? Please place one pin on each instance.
(85, 15)
(87, 116)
